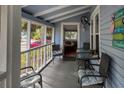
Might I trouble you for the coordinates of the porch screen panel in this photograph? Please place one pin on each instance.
(24, 35)
(24, 42)
(49, 35)
(35, 35)
(49, 39)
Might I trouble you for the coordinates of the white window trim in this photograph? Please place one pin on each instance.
(92, 17)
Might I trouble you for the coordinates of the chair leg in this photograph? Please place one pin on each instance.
(53, 59)
(34, 86)
(78, 80)
(40, 82)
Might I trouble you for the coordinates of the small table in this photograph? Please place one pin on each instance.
(80, 50)
(86, 56)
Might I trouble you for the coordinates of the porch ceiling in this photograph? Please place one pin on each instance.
(56, 13)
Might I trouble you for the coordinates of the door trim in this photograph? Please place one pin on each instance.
(62, 33)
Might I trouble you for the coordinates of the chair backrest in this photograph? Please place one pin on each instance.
(104, 64)
(86, 45)
(56, 47)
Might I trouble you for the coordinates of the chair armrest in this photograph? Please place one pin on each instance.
(28, 68)
(89, 49)
(95, 58)
(79, 48)
(95, 64)
(92, 76)
(29, 76)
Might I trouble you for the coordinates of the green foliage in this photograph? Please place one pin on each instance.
(24, 25)
(35, 32)
(36, 35)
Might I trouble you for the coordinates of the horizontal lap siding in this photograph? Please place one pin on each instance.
(116, 71)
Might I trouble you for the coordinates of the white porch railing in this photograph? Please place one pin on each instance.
(37, 57)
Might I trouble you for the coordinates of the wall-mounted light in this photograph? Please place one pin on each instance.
(84, 20)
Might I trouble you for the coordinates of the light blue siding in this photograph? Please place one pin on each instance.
(84, 33)
(116, 72)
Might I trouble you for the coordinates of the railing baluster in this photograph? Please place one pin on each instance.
(39, 54)
(23, 62)
(36, 57)
(27, 60)
(31, 58)
(50, 51)
(36, 63)
(47, 53)
(40, 57)
(44, 56)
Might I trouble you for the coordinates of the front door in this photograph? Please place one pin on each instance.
(70, 41)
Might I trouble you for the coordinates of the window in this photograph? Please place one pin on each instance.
(70, 35)
(97, 33)
(92, 34)
(94, 31)
(35, 35)
(24, 35)
(49, 35)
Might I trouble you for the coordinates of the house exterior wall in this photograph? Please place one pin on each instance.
(85, 33)
(116, 71)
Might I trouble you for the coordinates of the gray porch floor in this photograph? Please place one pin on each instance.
(60, 74)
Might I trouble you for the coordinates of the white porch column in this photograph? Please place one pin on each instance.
(3, 43)
(13, 45)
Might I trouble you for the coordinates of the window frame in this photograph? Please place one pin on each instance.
(93, 29)
(53, 33)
